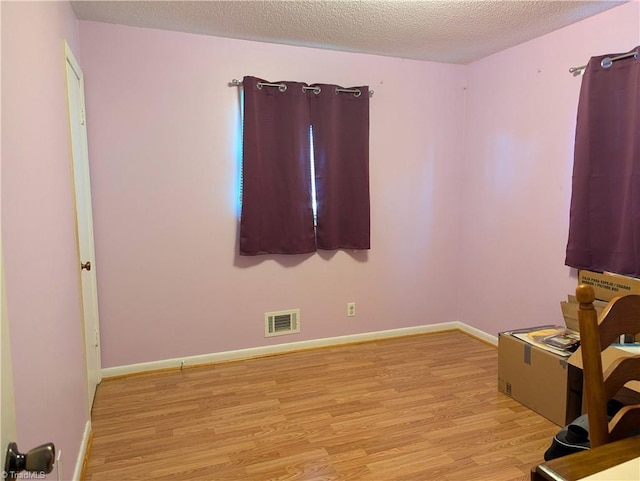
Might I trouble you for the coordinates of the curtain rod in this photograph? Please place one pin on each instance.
(316, 90)
(606, 62)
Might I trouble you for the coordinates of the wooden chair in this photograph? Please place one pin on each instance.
(621, 316)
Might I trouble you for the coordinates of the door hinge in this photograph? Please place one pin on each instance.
(82, 116)
(97, 337)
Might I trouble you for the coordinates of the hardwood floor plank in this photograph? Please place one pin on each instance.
(422, 408)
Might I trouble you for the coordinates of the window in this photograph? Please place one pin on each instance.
(312, 166)
(305, 169)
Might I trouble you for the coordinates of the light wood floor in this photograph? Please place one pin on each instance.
(421, 408)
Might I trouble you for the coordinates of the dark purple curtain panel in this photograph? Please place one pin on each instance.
(277, 212)
(604, 224)
(340, 123)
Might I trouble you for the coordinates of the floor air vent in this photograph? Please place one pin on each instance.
(281, 322)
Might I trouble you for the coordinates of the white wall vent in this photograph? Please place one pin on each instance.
(281, 322)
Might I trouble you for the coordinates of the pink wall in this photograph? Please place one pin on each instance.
(41, 265)
(520, 110)
(163, 129)
(470, 182)
(163, 135)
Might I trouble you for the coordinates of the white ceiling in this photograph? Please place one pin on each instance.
(443, 31)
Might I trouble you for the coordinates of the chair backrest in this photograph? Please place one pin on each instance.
(620, 316)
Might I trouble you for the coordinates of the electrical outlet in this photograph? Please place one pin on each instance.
(351, 309)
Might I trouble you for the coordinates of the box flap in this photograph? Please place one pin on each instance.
(570, 311)
(607, 285)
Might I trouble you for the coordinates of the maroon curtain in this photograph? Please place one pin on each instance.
(604, 226)
(277, 213)
(340, 123)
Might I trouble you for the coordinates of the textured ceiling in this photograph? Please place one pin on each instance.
(441, 31)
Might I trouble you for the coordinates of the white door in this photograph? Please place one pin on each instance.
(7, 408)
(84, 220)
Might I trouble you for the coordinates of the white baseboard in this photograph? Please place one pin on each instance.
(293, 346)
(77, 473)
(483, 336)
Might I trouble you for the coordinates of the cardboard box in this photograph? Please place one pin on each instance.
(540, 380)
(570, 311)
(607, 285)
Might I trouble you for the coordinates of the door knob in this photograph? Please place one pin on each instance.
(86, 265)
(37, 460)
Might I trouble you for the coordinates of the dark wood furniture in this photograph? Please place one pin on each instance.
(620, 316)
(585, 463)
